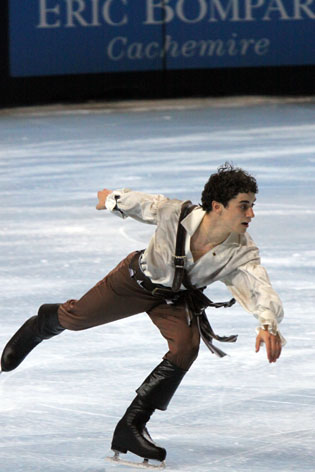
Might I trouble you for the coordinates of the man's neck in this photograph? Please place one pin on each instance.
(208, 235)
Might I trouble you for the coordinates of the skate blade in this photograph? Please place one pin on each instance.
(139, 465)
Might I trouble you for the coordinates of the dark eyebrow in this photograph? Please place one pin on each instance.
(247, 201)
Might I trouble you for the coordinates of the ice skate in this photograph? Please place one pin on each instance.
(132, 435)
(145, 464)
(20, 345)
(31, 333)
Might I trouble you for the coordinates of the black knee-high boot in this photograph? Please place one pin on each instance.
(43, 326)
(155, 393)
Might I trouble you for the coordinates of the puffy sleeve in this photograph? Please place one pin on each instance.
(251, 287)
(140, 206)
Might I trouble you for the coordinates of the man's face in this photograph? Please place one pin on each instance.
(237, 215)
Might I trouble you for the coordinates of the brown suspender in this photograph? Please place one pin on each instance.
(180, 258)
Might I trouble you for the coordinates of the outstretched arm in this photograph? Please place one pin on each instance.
(251, 287)
(102, 195)
(272, 342)
(124, 202)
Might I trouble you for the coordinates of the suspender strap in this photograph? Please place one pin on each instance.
(180, 258)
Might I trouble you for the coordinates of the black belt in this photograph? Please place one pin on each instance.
(194, 299)
(157, 290)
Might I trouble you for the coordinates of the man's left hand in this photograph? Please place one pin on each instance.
(272, 342)
(102, 195)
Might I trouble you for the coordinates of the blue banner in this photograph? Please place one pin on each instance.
(62, 37)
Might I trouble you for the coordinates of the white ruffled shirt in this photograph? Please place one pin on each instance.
(235, 262)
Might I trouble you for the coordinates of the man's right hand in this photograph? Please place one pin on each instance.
(272, 342)
(102, 195)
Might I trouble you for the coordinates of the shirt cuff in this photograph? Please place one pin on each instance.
(272, 328)
(111, 202)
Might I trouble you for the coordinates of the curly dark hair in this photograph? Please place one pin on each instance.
(226, 184)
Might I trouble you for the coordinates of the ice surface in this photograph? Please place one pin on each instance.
(237, 414)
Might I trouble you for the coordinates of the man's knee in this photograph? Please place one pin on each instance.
(191, 351)
(190, 348)
(184, 352)
(69, 318)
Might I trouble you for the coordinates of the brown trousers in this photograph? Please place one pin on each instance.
(118, 296)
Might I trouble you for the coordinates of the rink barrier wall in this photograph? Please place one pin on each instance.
(94, 49)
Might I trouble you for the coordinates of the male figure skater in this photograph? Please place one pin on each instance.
(192, 247)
